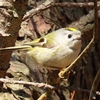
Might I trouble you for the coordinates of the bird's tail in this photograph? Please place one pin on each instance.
(26, 47)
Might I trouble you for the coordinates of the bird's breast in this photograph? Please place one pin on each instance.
(57, 57)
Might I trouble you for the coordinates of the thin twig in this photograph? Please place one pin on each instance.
(73, 94)
(43, 97)
(45, 86)
(40, 85)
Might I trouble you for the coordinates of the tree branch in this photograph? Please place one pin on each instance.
(40, 85)
(45, 6)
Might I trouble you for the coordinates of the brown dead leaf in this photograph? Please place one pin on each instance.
(38, 23)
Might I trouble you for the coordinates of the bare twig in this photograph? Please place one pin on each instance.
(73, 94)
(51, 4)
(40, 85)
(45, 86)
(43, 97)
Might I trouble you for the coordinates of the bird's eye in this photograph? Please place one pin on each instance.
(69, 35)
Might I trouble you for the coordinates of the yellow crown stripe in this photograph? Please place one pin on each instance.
(71, 29)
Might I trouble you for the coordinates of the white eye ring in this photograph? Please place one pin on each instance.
(69, 35)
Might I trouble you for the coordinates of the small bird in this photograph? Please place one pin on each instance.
(55, 50)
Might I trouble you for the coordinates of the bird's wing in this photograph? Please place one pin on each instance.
(37, 42)
(42, 42)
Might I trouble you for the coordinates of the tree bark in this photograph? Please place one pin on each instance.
(11, 13)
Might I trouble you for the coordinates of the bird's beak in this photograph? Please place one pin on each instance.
(78, 38)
